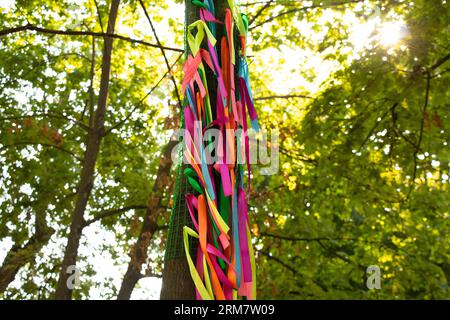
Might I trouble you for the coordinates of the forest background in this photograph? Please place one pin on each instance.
(358, 91)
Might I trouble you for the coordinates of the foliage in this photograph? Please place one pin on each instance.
(364, 157)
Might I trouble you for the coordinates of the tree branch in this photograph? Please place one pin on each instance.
(279, 261)
(288, 96)
(376, 125)
(288, 238)
(334, 253)
(440, 62)
(98, 15)
(91, 101)
(42, 144)
(398, 132)
(169, 68)
(121, 122)
(297, 156)
(333, 4)
(151, 275)
(422, 125)
(139, 251)
(110, 213)
(260, 11)
(20, 255)
(31, 27)
(48, 114)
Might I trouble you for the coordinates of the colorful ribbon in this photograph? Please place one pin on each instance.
(225, 262)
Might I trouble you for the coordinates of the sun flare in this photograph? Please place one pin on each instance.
(375, 31)
(391, 33)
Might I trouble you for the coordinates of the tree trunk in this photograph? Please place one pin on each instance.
(138, 254)
(20, 255)
(177, 282)
(90, 157)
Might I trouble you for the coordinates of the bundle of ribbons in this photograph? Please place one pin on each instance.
(224, 266)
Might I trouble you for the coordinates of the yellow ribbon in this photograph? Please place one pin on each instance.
(195, 42)
(236, 10)
(194, 274)
(207, 279)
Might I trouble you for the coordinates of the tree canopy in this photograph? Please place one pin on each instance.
(358, 91)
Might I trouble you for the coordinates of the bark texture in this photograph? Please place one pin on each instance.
(94, 138)
(138, 254)
(22, 254)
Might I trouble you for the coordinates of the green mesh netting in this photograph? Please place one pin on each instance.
(179, 215)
